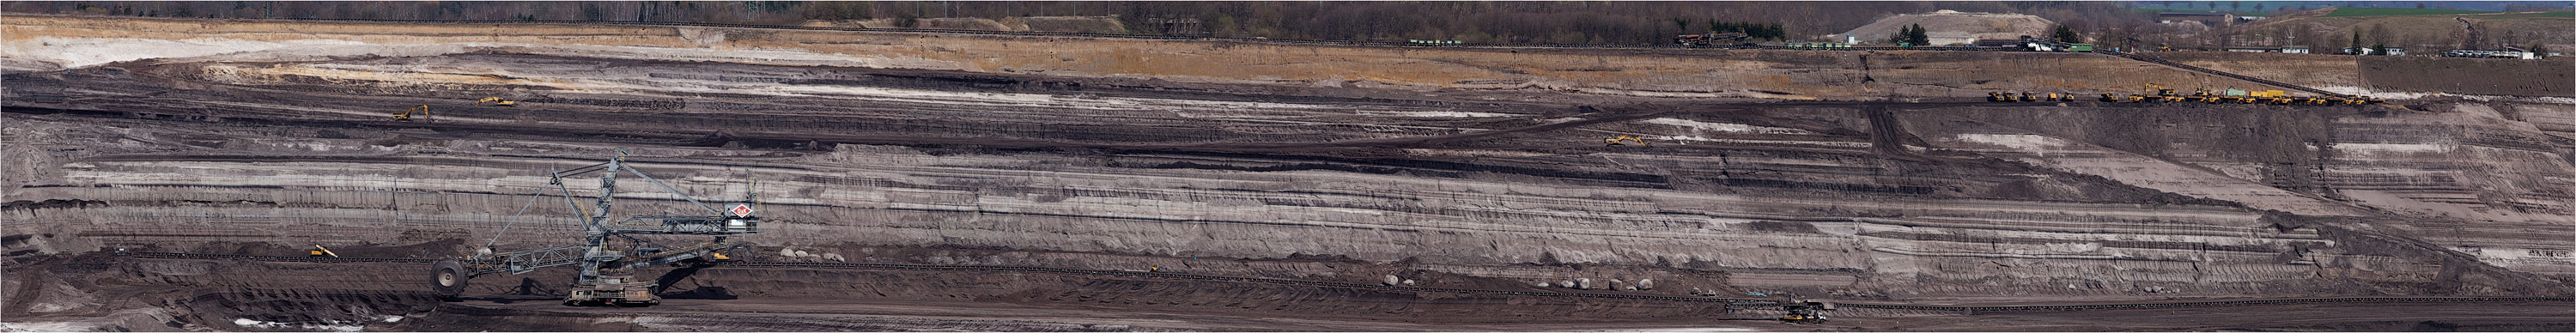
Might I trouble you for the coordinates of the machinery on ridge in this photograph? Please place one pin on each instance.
(1806, 312)
(423, 110)
(1628, 138)
(1711, 39)
(605, 267)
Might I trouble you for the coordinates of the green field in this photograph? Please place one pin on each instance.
(2353, 12)
(2240, 7)
(2545, 16)
(2154, 10)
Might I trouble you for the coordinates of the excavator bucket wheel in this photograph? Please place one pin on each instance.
(447, 278)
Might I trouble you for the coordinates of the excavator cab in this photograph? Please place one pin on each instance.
(2025, 97)
(496, 101)
(406, 114)
(1615, 141)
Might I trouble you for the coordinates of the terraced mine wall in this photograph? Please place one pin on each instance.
(1129, 154)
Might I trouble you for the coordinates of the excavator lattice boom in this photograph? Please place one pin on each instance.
(605, 277)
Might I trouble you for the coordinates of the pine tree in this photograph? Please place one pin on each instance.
(1919, 36)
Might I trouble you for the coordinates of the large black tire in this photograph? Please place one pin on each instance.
(447, 278)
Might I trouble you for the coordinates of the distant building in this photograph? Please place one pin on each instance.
(2392, 50)
(2211, 19)
(2506, 54)
(2293, 49)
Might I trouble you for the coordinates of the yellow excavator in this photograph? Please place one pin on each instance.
(496, 101)
(319, 251)
(1615, 141)
(2162, 94)
(406, 114)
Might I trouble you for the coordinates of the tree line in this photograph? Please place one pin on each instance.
(1758, 31)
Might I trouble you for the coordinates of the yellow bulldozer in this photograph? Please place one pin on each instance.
(1615, 141)
(496, 101)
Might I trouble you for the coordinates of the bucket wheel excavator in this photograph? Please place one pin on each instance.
(605, 263)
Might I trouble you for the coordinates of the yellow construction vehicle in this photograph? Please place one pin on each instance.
(406, 114)
(1615, 141)
(319, 251)
(2110, 97)
(2159, 90)
(496, 101)
(1806, 312)
(1998, 96)
(2025, 96)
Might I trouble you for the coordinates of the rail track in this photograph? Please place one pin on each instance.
(1731, 302)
